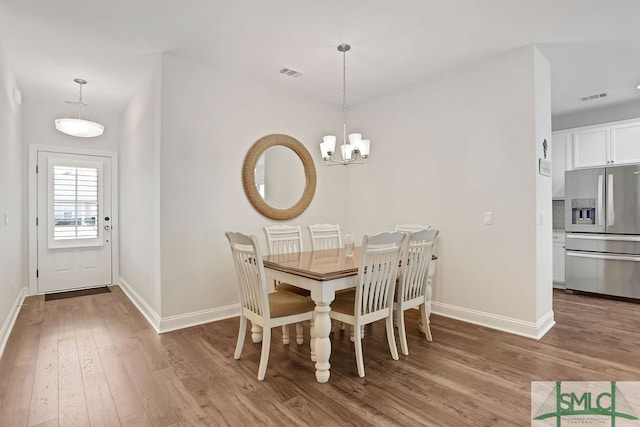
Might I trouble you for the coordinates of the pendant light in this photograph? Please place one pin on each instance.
(78, 126)
(353, 149)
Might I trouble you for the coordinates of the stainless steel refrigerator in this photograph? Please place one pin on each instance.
(602, 220)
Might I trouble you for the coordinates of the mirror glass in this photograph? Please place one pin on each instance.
(280, 177)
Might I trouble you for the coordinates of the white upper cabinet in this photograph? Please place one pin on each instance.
(560, 142)
(625, 143)
(610, 144)
(591, 147)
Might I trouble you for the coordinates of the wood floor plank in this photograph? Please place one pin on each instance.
(138, 419)
(44, 400)
(124, 394)
(112, 363)
(73, 403)
(100, 406)
(14, 408)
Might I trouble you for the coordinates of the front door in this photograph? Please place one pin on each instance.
(73, 221)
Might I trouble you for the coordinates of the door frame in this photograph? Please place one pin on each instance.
(32, 202)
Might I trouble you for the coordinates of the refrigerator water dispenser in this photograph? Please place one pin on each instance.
(583, 211)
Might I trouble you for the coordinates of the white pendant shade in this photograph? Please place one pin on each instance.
(328, 146)
(347, 149)
(79, 127)
(354, 140)
(364, 148)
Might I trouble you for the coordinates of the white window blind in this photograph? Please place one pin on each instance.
(75, 203)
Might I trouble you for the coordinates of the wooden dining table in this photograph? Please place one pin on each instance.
(322, 272)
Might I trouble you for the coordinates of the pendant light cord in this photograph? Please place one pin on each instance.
(80, 103)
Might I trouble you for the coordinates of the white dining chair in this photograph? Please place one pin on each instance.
(410, 228)
(267, 310)
(325, 236)
(285, 239)
(413, 282)
(372, 299)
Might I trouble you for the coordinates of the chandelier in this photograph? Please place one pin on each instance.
(79, 127)
(355, 150)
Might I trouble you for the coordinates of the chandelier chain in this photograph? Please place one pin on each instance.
(344, 96)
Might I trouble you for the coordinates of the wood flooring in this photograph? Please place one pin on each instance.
(94, 361)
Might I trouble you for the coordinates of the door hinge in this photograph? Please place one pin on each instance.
(36, 221)
(37, 273)
(36, 168)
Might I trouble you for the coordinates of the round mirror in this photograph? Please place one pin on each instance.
(279, 177)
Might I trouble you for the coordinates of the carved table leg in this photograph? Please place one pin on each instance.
(322, 324)
(312, 339)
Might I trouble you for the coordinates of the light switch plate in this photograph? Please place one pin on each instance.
(488, 218)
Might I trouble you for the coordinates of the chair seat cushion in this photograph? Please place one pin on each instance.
(291, 288)
(344, 302)
(284, 303)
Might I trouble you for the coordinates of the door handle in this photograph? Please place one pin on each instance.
(611, 217)
(107, 227)
(599, 212)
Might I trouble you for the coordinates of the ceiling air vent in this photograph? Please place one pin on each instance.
(594, 96)
(290, 72)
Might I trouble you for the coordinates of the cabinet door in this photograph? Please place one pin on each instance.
(559, 141)
(591, 147)
(558, 262)
(625, 143)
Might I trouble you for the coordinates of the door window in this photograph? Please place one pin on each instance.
(75, 199)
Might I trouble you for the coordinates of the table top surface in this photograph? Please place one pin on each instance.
(323, 265)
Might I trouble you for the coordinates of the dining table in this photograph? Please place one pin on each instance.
(323, 272)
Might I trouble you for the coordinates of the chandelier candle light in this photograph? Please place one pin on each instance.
(79, 127)
(353, 148)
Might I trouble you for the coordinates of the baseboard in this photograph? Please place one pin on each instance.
(180, 321)
(147, 311)
(171, 323)
(535, 330)
(11, 319)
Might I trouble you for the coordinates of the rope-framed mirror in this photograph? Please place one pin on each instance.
(255, 188)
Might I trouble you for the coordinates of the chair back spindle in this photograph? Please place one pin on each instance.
(325, 236)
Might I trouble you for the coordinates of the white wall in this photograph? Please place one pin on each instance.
(445, 151)
(12, 250)
(209, 121)
(140, 193)
(544, 245)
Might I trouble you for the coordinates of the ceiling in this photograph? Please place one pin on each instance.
(593, 45)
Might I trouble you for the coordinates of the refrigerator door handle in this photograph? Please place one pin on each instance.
(599, 215)
(603, 256)
(611, 237)
(611, 217)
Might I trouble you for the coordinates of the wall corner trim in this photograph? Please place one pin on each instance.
(180, 321)
(7, 326)
(506, 324)
(147, 311)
